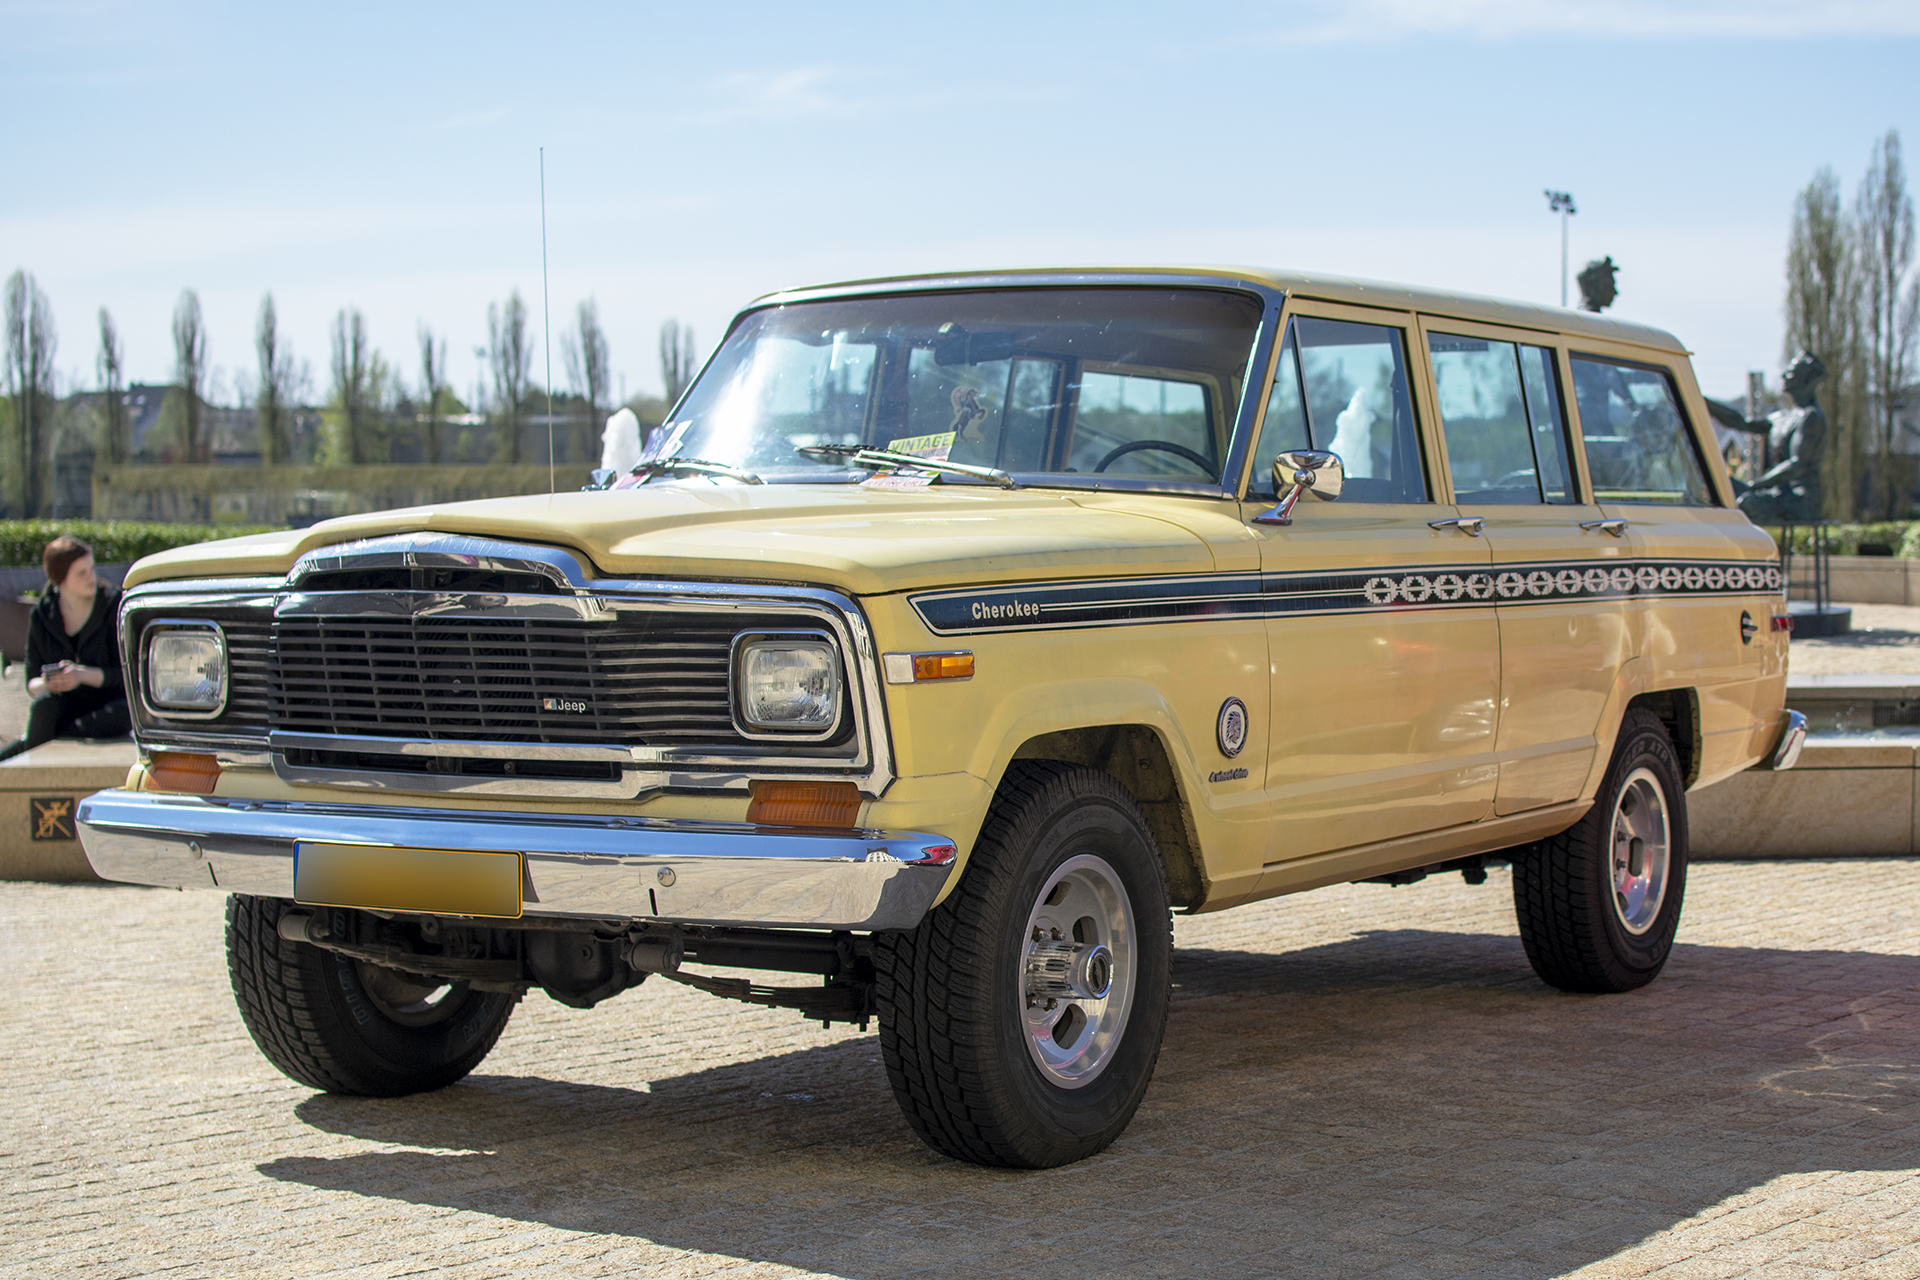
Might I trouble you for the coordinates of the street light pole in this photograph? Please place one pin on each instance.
(1561, 202)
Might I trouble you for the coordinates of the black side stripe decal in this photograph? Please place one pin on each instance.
(1053, 606)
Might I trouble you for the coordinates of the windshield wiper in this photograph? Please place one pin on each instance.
(862, 456)
(698, 466)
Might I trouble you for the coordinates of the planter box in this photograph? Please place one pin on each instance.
(38, 794)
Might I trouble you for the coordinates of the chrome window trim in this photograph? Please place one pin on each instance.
(735, 673)
(146, 671)
(868, 763)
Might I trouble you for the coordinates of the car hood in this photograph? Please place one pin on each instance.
(864, 541)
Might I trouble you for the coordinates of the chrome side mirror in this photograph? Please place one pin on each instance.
(1307, 471)
(600, 478)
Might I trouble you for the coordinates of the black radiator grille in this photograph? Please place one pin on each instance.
(632, 679)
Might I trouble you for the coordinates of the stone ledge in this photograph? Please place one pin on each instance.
(39, 791)
(1848, 797)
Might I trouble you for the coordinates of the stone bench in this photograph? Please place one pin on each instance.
(39, 791)
(1848, 797)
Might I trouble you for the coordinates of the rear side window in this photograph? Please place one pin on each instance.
(1638, 446)
(1343, 387)
(1500, 408)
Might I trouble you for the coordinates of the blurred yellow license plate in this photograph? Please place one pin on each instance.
(454, 882)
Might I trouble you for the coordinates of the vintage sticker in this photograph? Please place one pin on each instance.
(51, 817)
(934, 448)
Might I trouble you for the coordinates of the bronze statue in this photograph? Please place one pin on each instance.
(1597, 287)
(1788, 490)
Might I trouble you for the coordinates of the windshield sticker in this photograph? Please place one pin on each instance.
(934, 448)
(897, 480)
(665, 440)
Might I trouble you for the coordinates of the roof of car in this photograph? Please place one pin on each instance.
(1330, 288)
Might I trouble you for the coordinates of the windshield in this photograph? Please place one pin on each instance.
(1142, 383)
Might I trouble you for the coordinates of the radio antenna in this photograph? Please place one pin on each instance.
(546, 317)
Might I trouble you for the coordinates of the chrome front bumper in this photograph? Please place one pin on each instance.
(592, 866)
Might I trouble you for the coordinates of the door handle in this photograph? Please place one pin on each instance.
(1469, 525)
(1618, 528)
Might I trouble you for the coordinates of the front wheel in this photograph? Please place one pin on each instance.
(1599, 904)
(1020, 1023)
(346, 1026)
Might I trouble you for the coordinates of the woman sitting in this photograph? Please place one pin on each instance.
(73, 654)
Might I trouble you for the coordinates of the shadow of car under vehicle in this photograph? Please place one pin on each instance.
(1407, 1096)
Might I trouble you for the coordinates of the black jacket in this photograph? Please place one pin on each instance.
(97, 645)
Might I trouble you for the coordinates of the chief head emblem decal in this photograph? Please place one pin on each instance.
(1231, 728)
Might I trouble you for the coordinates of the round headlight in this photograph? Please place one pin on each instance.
(186, 669)
(786, 687)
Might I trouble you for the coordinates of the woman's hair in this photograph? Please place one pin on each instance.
(60, 555)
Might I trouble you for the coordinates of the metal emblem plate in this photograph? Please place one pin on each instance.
(1230, 730)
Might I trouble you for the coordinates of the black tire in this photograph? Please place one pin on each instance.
(1579, 932)
(344, 1026)
(961, 1030)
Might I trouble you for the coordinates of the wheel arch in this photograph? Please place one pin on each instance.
(1136, 756)
(1679, 711)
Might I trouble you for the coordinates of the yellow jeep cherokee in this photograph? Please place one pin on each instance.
(953, 631)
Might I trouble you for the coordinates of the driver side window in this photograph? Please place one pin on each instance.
(1342, 387)
(1128, 424)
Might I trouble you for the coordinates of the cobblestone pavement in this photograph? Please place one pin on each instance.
(1358, 1081)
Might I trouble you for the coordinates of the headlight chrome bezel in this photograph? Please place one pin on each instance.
(157, 630)
(745, 645)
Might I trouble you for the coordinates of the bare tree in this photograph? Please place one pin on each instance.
(352, 376)
(31, 342)
(112, 446)
(277, 378)
(510, 354)
(190, 371)
(1823, 290)
(584, 350)
(433, 385)
(678, 359)
(1885, 221)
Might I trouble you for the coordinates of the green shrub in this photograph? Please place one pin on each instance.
(113, 541)
(1845, 539)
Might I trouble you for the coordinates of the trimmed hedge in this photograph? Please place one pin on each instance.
(113, 541)
(1845, 539)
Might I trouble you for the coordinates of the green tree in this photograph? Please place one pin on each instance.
(584, 350)
(190, 373)
(1884, 219)
(279, 378)
(113, 443)
(678, 359)
(1822, 313)
(433, 389)
(352, 384)
(30, 343)
(510, 354)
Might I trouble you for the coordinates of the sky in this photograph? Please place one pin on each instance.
(388, 157)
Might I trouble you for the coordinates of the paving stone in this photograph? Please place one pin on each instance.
(1359, 1081)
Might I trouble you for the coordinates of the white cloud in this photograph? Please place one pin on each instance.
(1359, 21)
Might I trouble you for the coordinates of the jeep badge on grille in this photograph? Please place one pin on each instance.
(562, 704)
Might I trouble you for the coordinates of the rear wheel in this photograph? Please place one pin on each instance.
(1020, 1023)
(346, 1026)
(1599, 904)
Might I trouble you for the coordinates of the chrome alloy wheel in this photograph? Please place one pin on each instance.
(1638, 859)
(1077, 976)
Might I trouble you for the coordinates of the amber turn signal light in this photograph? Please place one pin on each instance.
(181, 771)
(804, 804)
(942, 666)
